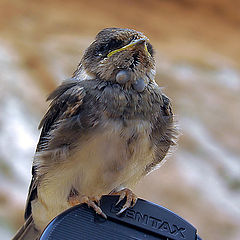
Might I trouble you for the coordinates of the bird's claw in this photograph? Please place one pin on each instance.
(96, 208)
(131, 198)
(92, 202)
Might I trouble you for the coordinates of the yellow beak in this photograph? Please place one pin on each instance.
(130, 45)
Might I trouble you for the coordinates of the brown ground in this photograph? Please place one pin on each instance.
(50, 36)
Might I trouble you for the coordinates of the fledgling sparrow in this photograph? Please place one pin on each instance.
(106, 128)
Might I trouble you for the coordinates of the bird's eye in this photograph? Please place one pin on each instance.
(115, 44)
(102, 48)
(150, 49)
(105, 48)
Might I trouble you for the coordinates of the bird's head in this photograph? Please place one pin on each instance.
(121, 55)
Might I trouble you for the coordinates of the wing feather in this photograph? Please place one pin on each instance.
(66, 102)
(164, 134)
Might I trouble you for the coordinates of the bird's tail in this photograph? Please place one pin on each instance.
(27, 231)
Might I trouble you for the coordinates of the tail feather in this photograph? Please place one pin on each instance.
(27, 231)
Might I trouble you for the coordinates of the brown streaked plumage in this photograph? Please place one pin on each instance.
(106, 128)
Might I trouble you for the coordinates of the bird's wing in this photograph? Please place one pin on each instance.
(164, 134)
(27, 231)
(66, 103)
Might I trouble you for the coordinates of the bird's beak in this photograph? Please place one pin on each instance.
(135, 43)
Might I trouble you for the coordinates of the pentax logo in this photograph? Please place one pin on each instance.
(155, 223)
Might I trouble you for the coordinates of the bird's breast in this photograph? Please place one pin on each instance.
(110, 156)
(113, 155)
(117, 102)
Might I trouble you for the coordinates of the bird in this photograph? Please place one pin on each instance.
(107, 126)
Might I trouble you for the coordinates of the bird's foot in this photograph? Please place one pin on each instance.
(92, 202)
(131, 198)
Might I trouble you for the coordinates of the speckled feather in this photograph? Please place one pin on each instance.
(99, 135)
(93, 104)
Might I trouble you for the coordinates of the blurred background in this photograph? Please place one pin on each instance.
(197, 47)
